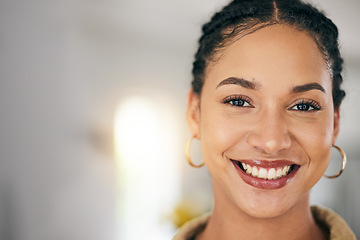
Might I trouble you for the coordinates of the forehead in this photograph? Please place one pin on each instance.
(276, 52)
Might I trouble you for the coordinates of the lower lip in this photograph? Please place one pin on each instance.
(264, 183)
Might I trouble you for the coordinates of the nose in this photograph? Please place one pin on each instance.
(270, 133)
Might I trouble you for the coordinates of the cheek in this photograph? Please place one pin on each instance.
(217, 135)
(221, 133)
(316, 141)
(214, 134)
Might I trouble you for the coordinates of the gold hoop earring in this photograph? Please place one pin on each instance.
(187, 154)
(344, 161)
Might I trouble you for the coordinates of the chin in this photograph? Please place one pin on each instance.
(265, 211)
(265, 205)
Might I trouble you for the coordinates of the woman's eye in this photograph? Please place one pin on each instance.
(306, 106)
(238, 101)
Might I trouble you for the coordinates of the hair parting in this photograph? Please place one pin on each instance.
(243, 17)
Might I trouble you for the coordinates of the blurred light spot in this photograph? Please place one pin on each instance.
(145, 145)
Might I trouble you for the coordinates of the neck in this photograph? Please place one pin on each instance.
(230, 222)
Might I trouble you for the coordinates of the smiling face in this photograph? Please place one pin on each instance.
(266, 121)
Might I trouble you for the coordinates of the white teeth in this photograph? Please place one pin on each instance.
(244, 166)
(264, 173)
(248, 169)
(254, 172)
(285, 170)
(271, 173)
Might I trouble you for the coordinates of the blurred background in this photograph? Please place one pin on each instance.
(92, 118)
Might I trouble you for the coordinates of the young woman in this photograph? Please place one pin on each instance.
(264, 104)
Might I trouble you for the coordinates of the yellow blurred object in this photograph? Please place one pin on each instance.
(185, 211)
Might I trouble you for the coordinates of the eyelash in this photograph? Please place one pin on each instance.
(238, 101)
(310, 106)
(244, 101)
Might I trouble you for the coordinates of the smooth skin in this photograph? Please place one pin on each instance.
(280, 109)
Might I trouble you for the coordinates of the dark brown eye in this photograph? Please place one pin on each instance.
(305, 106)
(238, 101)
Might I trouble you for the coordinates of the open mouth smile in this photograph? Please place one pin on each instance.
(266, 174)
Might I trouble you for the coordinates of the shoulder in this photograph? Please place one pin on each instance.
(192, 228)
(325, 218)
(332, 223)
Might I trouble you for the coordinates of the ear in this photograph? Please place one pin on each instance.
(193, 113)
(336, 123)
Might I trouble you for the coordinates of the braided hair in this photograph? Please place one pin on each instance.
(242, 17)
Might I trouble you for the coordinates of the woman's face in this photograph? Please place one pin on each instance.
(266, 121)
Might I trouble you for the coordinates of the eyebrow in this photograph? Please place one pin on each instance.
(239, 81)
(254, 86)
(308, 87)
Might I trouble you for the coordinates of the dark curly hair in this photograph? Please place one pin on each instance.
(242, 17)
